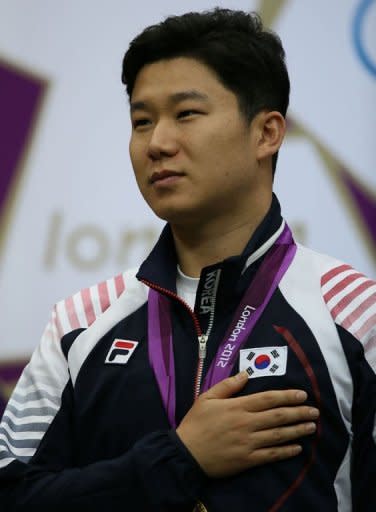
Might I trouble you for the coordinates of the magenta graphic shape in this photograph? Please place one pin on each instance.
(9, 374)
(364, 202)
(19, 99)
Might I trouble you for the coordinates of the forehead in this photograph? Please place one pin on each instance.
(170, 77)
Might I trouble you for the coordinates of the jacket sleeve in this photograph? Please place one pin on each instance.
(157, 473)
(352, 302)
(363, 449)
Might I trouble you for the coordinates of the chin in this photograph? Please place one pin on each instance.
(176, 215)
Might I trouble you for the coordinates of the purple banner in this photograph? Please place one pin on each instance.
(20, 96)
(9, 374)
(365, 203)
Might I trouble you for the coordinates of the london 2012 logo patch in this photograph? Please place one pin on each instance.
(263, 361)
(120, 351)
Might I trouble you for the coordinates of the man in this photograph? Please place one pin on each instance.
(233, 369)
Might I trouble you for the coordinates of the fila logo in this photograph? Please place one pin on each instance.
(263, 362)
(120, 351)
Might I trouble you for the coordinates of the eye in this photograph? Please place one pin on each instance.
(187, 113)
(138, 123)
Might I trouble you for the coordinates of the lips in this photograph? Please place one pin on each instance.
(161, 175)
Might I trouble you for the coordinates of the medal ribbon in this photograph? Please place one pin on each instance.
(251, 306)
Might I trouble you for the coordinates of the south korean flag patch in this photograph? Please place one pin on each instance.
(120, 351)
(263, 362)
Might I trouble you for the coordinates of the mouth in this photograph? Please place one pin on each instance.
(164, 175)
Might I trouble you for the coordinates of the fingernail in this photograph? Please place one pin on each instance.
(314, 413)
(310, 427)
(301, 395)
(241, 375)
(296, 449)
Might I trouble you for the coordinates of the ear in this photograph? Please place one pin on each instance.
(269, 129)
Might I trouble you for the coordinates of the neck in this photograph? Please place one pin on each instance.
(208, 243)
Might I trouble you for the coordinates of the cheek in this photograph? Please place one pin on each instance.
(225, 151)
(137, 167)
(136, 156)
(229, 161)
(132, 149)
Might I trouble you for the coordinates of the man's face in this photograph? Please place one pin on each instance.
(192, 150)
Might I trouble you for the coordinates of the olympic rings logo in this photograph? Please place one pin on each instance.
(361, 14)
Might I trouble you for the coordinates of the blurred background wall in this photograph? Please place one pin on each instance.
(70, 211)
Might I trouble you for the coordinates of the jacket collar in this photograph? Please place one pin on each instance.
(160, 266)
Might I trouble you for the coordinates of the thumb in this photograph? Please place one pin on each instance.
(227, 387)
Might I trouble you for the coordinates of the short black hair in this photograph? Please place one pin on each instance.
(247, 58)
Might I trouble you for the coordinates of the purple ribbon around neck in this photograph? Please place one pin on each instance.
(251, 306)
(161, 354)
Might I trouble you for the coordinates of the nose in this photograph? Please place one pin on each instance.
(163, 141)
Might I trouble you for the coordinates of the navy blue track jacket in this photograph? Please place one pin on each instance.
(80, 431)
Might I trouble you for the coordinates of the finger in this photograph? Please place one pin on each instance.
(271, 399)
(227, 387)
(283, 416)
(267, 455)
(281, 435)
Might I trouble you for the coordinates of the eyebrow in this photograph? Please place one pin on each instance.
(175, 98)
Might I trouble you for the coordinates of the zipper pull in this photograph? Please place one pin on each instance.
(202, 340)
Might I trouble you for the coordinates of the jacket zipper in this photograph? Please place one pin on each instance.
(202, 338)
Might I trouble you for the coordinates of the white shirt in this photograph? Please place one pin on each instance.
(186, 287)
